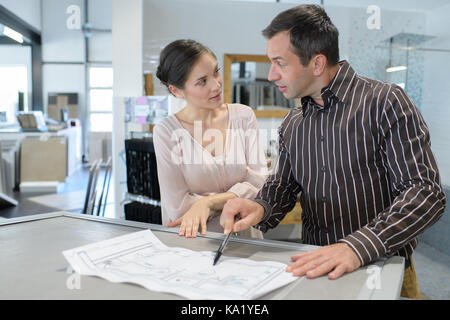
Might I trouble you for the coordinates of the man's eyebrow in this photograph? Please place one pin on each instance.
(277, 58)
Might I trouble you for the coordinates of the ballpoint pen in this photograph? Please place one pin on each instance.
(223, 245)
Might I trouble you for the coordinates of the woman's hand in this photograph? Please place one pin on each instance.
(197, 215)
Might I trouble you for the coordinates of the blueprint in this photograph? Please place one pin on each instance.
(141, 258)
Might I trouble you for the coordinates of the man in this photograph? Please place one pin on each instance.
(358, 152)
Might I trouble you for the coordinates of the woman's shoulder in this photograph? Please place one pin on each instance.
(165, 127)
(241, 111)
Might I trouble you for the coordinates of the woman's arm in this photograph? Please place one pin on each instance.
(199, 212)
(176, 198)
(257, 170)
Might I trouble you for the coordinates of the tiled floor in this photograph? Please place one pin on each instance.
(433, 272)
(74, 186)
(432, 266)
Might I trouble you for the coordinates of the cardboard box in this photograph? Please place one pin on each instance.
(43, 158)
(59, 101)
(100, 146)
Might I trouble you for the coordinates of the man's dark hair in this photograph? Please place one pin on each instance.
(311, 32)
(177, 59)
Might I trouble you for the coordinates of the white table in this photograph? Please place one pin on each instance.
(32, 265)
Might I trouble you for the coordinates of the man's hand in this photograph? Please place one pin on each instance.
(335, 259)
(250, 213)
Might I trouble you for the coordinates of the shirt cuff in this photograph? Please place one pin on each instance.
(267, 212)
(366, 244)
(240, 190)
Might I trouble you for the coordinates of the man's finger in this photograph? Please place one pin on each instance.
(302, 266)
(301, 255)
(242, 224)
(337, 272)
(227, 216)
(322, 269)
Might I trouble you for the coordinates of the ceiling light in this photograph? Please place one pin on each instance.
(12, 34)
(395, 69)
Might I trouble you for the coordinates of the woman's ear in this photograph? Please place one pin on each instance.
(176, 91)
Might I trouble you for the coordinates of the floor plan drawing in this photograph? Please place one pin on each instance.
(141, 258)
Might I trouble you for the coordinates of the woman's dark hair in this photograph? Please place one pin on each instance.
(177, 59)
(311, 32)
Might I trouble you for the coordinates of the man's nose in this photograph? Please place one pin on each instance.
(273, 74)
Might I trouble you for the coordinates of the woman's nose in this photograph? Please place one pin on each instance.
(218, 82)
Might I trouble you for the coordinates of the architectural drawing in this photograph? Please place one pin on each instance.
(141, 258)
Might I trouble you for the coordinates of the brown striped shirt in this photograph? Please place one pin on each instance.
(363, 166)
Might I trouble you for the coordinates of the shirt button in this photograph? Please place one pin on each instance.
(323, 169)
(324, 199)
(322, 138)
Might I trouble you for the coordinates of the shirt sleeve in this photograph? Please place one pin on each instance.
(413, 173)
(176, 198)
(257, 171)
(279, 193)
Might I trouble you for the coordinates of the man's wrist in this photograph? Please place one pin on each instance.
(266, 210)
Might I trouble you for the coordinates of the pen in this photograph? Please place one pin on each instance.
(223, 245)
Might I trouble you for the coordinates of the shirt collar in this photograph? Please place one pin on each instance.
(335, 91)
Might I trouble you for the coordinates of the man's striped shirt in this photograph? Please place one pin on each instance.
(363, 167)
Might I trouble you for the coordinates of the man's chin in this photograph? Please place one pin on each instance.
(288, 96)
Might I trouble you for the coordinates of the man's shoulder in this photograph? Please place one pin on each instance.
(291, 117)
(378, 86)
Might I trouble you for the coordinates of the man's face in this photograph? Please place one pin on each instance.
(292, 78)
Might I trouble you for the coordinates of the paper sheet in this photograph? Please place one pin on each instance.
(141, 258)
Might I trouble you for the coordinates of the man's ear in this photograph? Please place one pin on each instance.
(176, 91)
(319, 64)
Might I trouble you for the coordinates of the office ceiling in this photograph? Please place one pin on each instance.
(403, 5)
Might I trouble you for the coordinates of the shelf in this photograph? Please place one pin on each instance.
(142, 199)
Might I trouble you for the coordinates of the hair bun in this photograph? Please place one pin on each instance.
(160, 76)
(177, 59)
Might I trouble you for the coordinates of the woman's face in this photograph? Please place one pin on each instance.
(203, 87)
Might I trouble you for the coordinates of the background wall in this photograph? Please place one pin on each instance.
(27, 10)
(436, 87)
(435, 108)
(14, 55)
(64, 54)
(127, 22)
(210, 23)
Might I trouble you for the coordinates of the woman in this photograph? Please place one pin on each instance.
(208, 152)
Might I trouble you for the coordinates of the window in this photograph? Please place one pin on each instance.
(100, 98)
(13, 80)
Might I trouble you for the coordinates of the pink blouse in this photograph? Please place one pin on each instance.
(187, 171)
